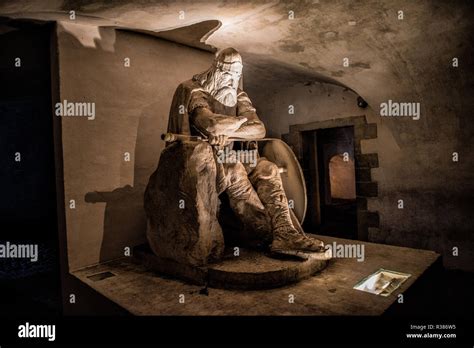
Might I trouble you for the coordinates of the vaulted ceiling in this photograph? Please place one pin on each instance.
(391, 55)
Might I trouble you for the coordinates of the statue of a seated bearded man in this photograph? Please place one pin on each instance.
(218, 109)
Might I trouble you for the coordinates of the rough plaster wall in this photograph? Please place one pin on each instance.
(414, 165)
(132, 106)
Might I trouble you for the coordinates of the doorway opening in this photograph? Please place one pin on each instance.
(329, 170)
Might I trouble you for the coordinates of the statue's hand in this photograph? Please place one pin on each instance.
(218, 140)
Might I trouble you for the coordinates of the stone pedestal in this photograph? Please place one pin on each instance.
(181, 204)
(249, 270)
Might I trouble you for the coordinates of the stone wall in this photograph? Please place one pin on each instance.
(396, 159)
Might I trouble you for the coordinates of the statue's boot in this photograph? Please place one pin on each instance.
(288, 239)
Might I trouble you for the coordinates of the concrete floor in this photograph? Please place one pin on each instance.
(141, 292)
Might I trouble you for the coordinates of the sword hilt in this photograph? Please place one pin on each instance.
(172, 137)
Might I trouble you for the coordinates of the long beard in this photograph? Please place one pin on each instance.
(225, 95)
(210, 80)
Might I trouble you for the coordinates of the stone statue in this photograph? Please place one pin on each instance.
(212, 106)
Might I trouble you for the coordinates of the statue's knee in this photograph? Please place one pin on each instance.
(236, 169)
(265, 170)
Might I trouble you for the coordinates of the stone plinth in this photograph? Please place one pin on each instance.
(251, 270)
